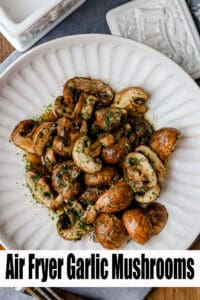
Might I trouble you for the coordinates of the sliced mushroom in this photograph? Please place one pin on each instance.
(103, 177)
(163, 142)
(71, 191)
(42, 136)
(82, 157)
(110, 231)
(69, 225)
(150, 196)
(63, 174)
(62, 147)
(142, 130)
(61, 108)
(68, 97)
(22, 135)
(39, 187)
(90, 86)
(95, 149)
(155, 161)
(91, 195)
(139, 173)
(50, 159)
(57, 202)
(158, 216)
(132, 99)
(117, 198)
(138, 224)
(115, 154)
(109, 118)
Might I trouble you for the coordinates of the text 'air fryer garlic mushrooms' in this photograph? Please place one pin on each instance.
(98, 164)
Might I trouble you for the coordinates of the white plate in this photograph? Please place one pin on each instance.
(36, 79)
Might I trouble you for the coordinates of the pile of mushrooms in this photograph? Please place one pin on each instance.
(97, 162)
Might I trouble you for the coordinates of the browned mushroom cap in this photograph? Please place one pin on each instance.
(42, 136)
(138, 225)
(109, 118)
(90, 195)
(163, 142)
(39, 187)
(115, 199)
(61, 108)
(89, 215)
(132, 99)
(95, 87)
(63, 174)
(158, 216)
(110, 231)
(115, 154)
(22, 135)
(104, 177)
(62, 147)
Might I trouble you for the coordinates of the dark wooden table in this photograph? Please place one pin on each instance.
(155, 294)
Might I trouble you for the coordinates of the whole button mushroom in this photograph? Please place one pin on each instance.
(110, 231)
(115, 199)
(158, 216)
(138, 224)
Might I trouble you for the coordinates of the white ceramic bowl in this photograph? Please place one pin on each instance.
(36, 79)
(25, 22)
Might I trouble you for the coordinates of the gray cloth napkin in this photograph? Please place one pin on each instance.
(89, 18)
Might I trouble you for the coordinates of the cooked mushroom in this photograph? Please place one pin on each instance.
(110, 231)
(115, 199)
(63, 174)
(39, 187)
(138, 224)
(155, 161)
(22, 135)
(109, 118)
(142, 130)
(87, 110)
(139, 173)
(103, 177)
(82, 158)
(115, 154)
(158, 216)
(95, 87)
(71, 191)
(42, 136)
(150, 196)
(69, 225)
(62, 147)
(57, 202)
(95, 149)
(61, 108)
(50, 159)
(63, 127)
(91, 195)
(89, 215)
(132, 99)
(106, 139)
(68, 97)
(163, 142)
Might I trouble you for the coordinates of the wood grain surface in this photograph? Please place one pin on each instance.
(157, 293)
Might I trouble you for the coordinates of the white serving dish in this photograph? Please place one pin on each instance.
(165, 25)
(34, 81)
(24, 22)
